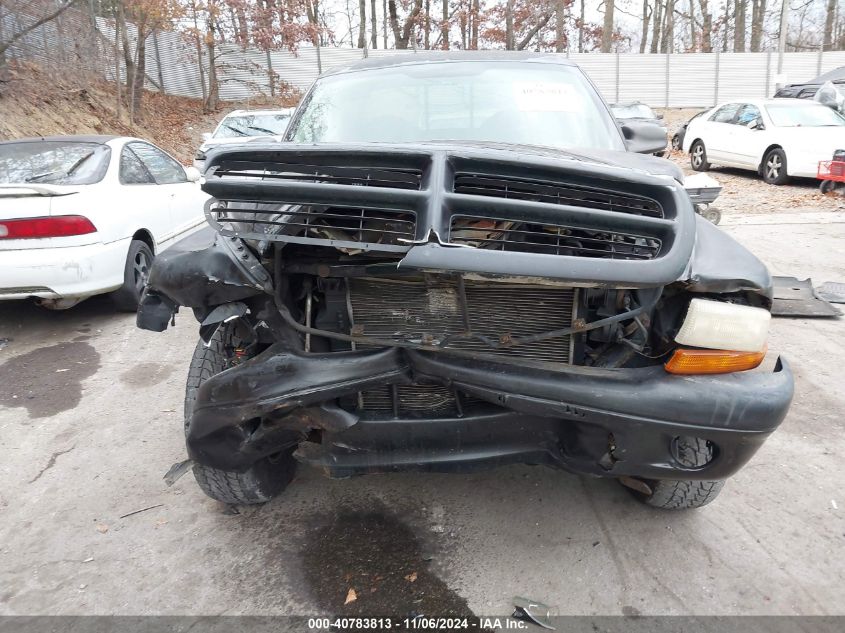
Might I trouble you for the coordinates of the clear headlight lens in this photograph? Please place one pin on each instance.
(727, 326)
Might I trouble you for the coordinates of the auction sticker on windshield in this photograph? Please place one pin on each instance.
(545, 96)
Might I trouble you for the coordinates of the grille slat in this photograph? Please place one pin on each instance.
(555, 193)
(363, 176)
(554, 239)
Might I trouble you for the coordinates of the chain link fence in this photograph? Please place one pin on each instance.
(79, 42)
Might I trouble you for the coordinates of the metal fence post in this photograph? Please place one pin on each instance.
(716, 82)
(668, 56)
(768, 72)
(617, 76)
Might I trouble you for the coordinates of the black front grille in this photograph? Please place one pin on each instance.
(550, 239)
(555, 193)
(322, 172)
(341, 227)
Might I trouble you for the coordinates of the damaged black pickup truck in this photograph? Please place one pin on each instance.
(459, 262)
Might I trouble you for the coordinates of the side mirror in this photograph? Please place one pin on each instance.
(756, 124)
(206, 136)
(644, 137)
(193, 174)
(660, 115)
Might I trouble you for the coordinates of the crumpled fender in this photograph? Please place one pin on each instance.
(719, 264)
(202, 271)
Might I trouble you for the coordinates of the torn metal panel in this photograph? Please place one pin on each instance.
(797, 298)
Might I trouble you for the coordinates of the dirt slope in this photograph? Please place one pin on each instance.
(38, 103)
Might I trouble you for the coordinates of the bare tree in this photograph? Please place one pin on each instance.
(362, 28)
(560, 25)
(402, 32)
(444, 26)
(509, 37)
(740, 9)
(827, 42)
(581, 29)
(647, 11)
(373, 26)
(667, 42)
(758, 16)
(607, 30)
(657, 25)
(706, 27)
(475, 13)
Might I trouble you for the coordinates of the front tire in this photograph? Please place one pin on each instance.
(267, 477)
(135, 273)
(698, 157)
(774, 167)
(670, 494)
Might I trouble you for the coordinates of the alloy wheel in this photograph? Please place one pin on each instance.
(141, 267)
(773, 167)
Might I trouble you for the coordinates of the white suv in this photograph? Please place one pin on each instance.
(241, 126)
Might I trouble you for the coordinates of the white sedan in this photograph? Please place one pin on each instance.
(86, 215)
(777, 138)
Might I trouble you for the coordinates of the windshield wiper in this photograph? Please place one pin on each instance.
(64, 173)
(263, 129)
(235, 130)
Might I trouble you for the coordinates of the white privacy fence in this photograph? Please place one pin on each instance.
(675, 80)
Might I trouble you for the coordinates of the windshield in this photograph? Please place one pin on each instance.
(809, 115)
(633, 111)
(53, 162)
(505, 102)
(252, 125)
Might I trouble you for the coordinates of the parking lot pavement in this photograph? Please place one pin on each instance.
(90, 420)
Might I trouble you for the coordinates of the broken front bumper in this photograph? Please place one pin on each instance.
(598, 422)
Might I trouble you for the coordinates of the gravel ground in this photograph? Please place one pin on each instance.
(90, 420)
(745, 192)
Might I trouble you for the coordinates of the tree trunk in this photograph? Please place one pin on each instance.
(740, 7)
(827, 43)
(473, 37)
(402, 34)
(560, 26)
(373, 26)
(657, 22)
(758, 13)
(362, 29)
(444, 26)
(140, 73)
(128, 61)
(693, 44)
(668, 43)
(384, 22)
(581, 29)
(213, 99)
(509, 43)
(706, 28)
(533, 32)
(607, 29)
(427, 26)
(646, 17)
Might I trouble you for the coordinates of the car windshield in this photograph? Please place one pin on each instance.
(53, 162)
(252, 125)
(809, 115)
(518, 103)
(632, 111)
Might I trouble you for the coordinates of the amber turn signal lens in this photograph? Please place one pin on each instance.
(712, 361)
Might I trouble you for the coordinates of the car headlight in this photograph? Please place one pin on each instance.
(725, 326)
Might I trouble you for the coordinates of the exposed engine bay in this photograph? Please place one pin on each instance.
(411, 298)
